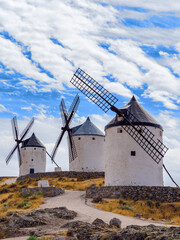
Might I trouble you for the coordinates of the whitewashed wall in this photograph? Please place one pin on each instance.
(90, 154)
(123, 169)
(38, 163)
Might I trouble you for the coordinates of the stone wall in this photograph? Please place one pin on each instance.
(161, 194)
(46, 191)
(68, 174)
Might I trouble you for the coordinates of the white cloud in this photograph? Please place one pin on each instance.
(33, 24)
(27, 108)
(2, 108)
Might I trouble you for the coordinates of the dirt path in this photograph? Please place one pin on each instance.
(75, 201)
(9, 181)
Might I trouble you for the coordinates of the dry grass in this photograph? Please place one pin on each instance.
(146, 209)
(75, 184)
(11, 198)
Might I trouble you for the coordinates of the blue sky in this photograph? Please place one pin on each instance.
(130, 47)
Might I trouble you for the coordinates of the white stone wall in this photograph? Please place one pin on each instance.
(32, 158)
(90, 154)
(123, 169)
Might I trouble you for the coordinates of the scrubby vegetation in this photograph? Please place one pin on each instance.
(144, 209)
(11, 198)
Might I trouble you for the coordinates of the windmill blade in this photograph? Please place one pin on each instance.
(57, 144)
(105, 100)
(72, 147)
(11, 153)
(74, 105)
(15, 128)
(63, 112)
(19, 154)
(52, 159)
(73, 108)
(155, 149)
(26, 130)
(93, 90)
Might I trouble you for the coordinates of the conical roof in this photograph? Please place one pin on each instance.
(87, 128)
(144, 118)
(33, 141)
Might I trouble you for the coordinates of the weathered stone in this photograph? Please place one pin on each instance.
(24, 221)
(115, 222)
(46, 191)
(155, 193)
(99, 222)
(97, 199)
(68, 174)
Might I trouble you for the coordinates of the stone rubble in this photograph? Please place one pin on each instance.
(58, 223)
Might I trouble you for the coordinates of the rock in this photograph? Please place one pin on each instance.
(97, 199)
(3, 220)
(11, 213)
(25, 222)
(137, 215)
(64, 213)
(132, 234)
(74, 224)
(115, 222)
(99, 222)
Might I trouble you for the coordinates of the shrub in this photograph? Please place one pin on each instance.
(28, 205)
(12, 185)
(126, 207)
(10, 196)
(122, 202)
(24, 204)
(3, 200)
(157, 204)
(32, 238)
(4, 208)
(150, 203)
(26, 195)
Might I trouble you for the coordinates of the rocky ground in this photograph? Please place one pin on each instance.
(59, 224)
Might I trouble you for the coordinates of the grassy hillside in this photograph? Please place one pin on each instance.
(11, 198)
(169, 212)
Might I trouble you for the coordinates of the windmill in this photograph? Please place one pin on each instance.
(66, 120)
(30, 142)
(105, 100)
(18, 139)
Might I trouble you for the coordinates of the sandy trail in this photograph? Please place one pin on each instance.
(75, 201)
(9, 181)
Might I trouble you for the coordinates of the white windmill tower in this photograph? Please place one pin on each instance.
(127, 163)
(31, 152)
(135, 132)
(89, 143)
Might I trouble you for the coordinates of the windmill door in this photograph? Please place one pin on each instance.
(31, 170)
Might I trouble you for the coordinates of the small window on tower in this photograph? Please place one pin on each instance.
(160, 133)
(79, 138)
(24, 148)
(133, 153)
(34, 148)
(119, 130)
(32, 160)
(93, 138)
